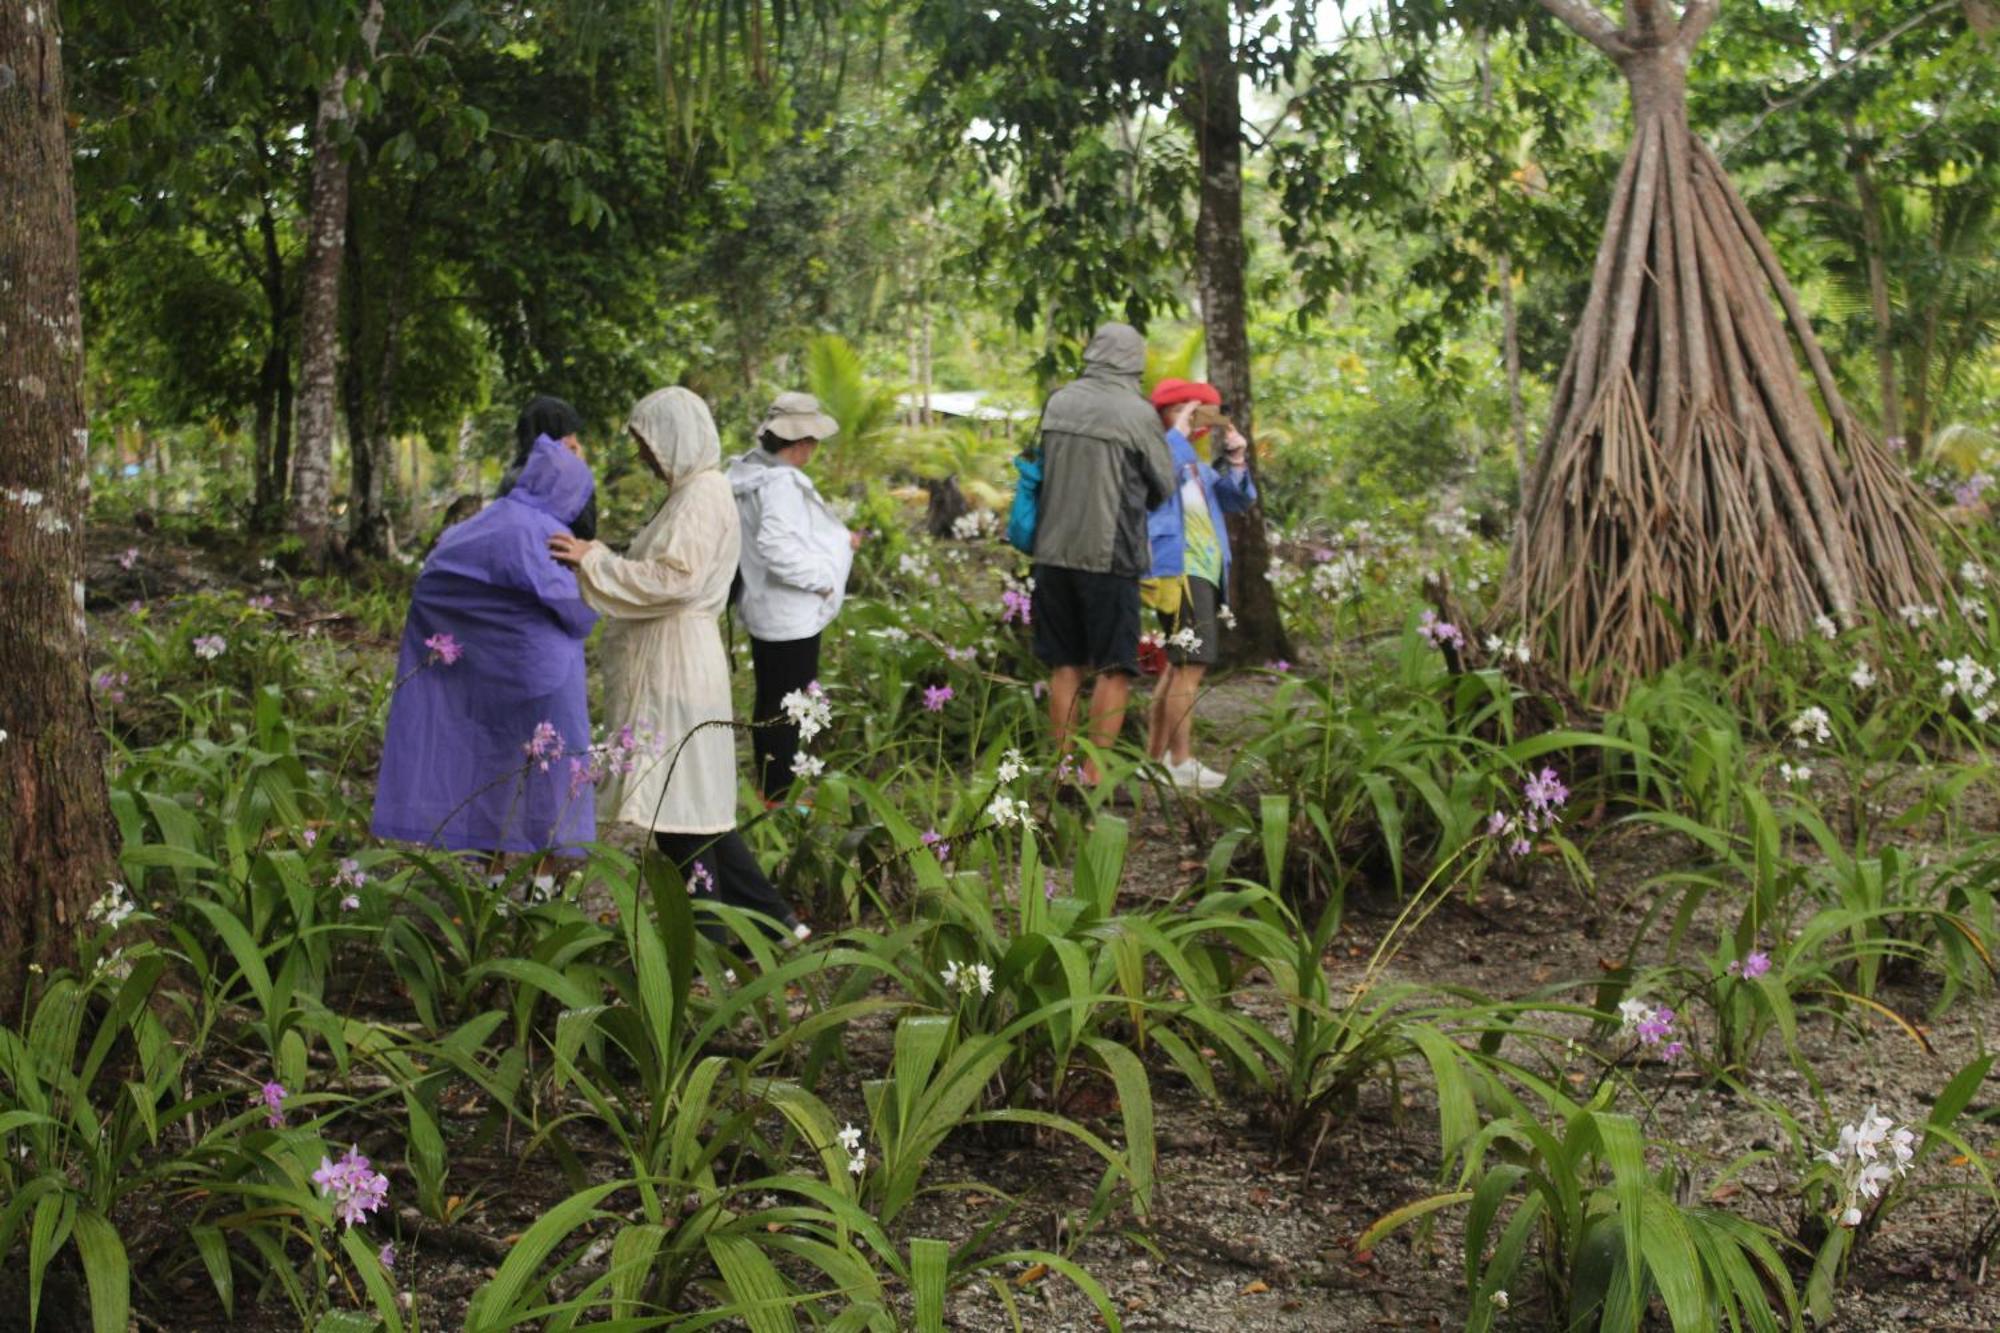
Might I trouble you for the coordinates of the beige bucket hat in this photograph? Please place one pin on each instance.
(797, 416)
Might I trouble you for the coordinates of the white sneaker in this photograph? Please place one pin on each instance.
(1194, 773)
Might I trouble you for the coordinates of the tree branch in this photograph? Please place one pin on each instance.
(1587, 21)
(1786, 104)
(1694, 22)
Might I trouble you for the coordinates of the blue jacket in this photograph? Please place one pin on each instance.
(1228, 493)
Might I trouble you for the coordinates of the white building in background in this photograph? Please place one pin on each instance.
(966, 405)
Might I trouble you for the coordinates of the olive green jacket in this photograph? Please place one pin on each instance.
(1105, 463)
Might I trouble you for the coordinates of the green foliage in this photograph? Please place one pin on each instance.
(1615, 1236)
(865, 410)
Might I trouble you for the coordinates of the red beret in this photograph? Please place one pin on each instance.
(1169, 392)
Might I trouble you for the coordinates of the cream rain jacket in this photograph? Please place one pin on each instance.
(796, 554)
(662, 655)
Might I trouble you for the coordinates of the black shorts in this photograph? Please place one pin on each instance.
(1197, 615)
(1086, 620)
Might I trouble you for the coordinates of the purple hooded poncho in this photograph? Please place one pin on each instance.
(467, 763)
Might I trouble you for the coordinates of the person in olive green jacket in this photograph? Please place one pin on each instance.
(1105, 464)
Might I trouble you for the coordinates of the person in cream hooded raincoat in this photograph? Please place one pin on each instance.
(665, 670)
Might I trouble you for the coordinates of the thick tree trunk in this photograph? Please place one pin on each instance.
(1213, 109)
(56, 848)
(319, 324)
(319, 308)
(1689, 486)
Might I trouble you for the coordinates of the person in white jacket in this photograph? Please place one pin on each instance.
(666, 675)
(795, 559)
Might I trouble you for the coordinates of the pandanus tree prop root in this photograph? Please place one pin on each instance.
(1689, 487)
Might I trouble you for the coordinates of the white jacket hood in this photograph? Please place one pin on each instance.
(757, 469)
(796, 553)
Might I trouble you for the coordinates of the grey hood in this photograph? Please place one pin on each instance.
(1104, 403)
(1116, 350)
(1104, 462)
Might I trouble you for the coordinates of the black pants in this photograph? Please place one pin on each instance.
(781, 667)
(737, 878)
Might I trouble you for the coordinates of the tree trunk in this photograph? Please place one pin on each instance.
(1920, 380)
(319, 308)
(1213, 110)
(1510, 351)
(56, 833)
(1510, 328)
(319, 325)
(461, 456)
(1870, 200)
(1687, 487)
(274, 395)
(370, 406)
(263, 441)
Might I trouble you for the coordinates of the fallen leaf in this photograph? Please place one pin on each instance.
(1034, 1274)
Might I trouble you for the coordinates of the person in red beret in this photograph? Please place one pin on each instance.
(1189, 582)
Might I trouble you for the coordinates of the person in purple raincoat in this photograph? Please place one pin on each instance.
(489, 708)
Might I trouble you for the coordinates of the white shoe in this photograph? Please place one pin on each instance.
(1193, 773)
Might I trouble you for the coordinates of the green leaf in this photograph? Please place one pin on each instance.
(632, 1255)
(754, 1285)
(1409, 1212)
(496, 1305)
(930, 1262)
(1674, 1265)
(1274, 817)
(106, 1272)
(1103, 864)
(1135, 1103)
(366, 1259)
(214, 1251)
